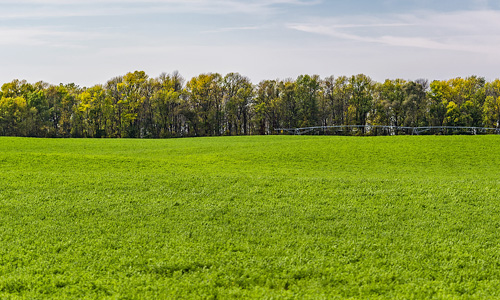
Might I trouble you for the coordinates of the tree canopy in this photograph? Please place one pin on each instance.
(137, 106)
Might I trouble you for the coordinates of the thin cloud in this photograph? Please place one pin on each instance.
(231, 29)
(189, 2)
(35, 36)
(470, 31)
(76, 8)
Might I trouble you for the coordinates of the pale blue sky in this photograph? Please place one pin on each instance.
(90, 41)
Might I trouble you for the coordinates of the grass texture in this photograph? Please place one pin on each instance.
(268, 217)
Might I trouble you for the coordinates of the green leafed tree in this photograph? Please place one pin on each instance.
(238, 95)
(169, 107)
(491, 106)
(13, 116)
(415, 103)
(439, 97)
(268, 107)
(205, 94)
(307, 95)
(361, 99)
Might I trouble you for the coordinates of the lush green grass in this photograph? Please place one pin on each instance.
(264, 217)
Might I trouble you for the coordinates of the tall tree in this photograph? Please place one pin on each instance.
(168, 106)
(93, 108)
(13, 116)
(132, 92)
(491, 106)
(290, 104)
(238, 94)
(268, 106)
(307, 93)
(205, 101)
(439, 95)
(56, 105)
(393, 96)
(361, 101)
(415, 103)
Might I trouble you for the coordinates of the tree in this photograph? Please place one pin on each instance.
(92, 104)
(469, 93)
(168, 106)
(135, 105)
(307, 93)
(205, 103)
(453, 116)
(19, 88)
(439, 95)
(268, 106)
(290, 105)
(491, 112)
(13, 116)
(340, 100)
(238, 94)
(393, 97)
(491, 106)
(415, 103)
(38, 114)
(361, 89)
(113, 97)
(132, 93)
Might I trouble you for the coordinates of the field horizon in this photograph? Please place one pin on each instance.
(288, 217)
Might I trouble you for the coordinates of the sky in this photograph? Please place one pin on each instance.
(88, 42)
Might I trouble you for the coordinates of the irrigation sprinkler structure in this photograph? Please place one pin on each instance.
(388, 130)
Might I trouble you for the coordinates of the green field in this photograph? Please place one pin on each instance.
(409, 217)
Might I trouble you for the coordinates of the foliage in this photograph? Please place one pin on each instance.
(137, 106)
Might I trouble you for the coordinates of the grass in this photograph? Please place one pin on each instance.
(409, 217)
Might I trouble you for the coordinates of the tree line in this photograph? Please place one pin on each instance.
(138, 106)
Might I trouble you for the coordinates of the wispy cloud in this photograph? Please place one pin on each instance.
(62, 8)
(39, 36)
(231, 29)
(471, 31)
(69, 30)
(201, 2)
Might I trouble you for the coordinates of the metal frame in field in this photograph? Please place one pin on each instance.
(389, 130)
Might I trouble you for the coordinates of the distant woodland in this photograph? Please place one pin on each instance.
(138, 106)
